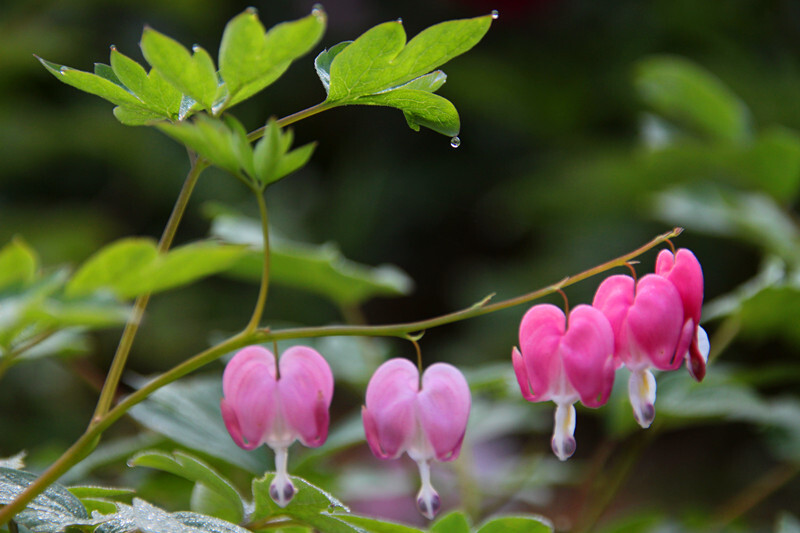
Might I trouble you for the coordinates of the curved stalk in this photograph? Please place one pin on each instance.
(291, 119)
(262, 292)
(89, 439)
(132, 325)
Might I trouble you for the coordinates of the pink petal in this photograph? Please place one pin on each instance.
(684, 271)
(390, 420)
(306, 390)
(614, 298)
(588, 354)
(540, 334)
(249, 404)
(655, 324)
(443, 407)
(522, 376)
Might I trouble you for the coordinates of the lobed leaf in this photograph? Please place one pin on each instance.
(454, 522)
(250, 59)
(192, 74)
(517, 524)
(143, 517)
(152, 89)
(93, 84)
(421, 108)
(373, 525)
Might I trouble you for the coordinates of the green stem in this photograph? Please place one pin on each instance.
(132, 325)
(10, 358)
(262, 293)
(291, 119)
(89, 439)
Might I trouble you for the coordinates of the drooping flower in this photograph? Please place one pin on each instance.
(427, 420)
(684, 271)
(271, 404)
(649, 332)
(565, 361)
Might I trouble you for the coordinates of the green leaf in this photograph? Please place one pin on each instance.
(105, 71)
(188, 413)
(181, 266)
(191, 74)
(267, 152)
(686, 93)
(113, 265)
(322, 63)
(455, 522)
(320, 269)
(373, 525)
(292, 161)
(135, 116)
(380, 59)
(88, 491)
(215, 140)
(50, 512)
(773, 163)
(517, 524)
(158, 95)
(310, 505)
(250, 59)
(189, 467)
(93, 84)
(421, 108)
(133, 266)
(18, 263)
(146, 518)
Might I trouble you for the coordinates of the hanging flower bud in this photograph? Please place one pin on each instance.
(565, 363)
(649, 332)
(427, 421)
(684, 271)
(271, 404)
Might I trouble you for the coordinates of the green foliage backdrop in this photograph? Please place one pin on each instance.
(586, 128)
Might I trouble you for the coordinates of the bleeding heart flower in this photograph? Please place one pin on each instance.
(565, 362)
(427, 420)
(684, 271)
(262, 406)
(649, 332)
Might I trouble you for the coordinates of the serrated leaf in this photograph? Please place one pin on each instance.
(322, 63)
(92, 84)
(188, 413)
(684, 92)
(250, 59)
(421, 108)
(189, 467)
(517, 524)
(50, 512)
(380, 59)
(192, 74)
(319, 269)
(455, 522)
(18, 263)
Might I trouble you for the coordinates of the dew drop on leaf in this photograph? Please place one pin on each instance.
(495, 14)
(455, 142)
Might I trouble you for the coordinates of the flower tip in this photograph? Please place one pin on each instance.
(645, 415)
(428, 502)
(563, 448)
(281, 490)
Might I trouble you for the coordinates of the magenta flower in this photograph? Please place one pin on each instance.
(565, 362)
(427, 420)
(684, 271)
(263, 407)
(649, 332)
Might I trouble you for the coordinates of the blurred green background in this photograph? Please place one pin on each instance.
(571, 154)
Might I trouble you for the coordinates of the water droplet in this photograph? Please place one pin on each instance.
(400, 20)
(317, 10)
(495, 14)
(113, 47)
(252, 10)
(455, 142)
(196, 47)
